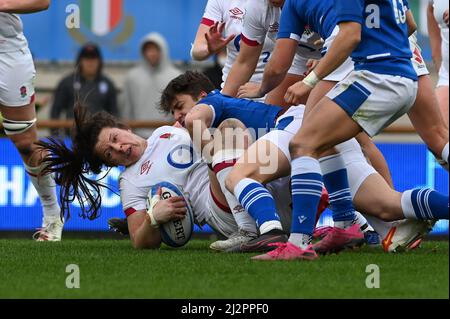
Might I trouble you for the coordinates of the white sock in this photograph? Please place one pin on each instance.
(46, 188)
(444, 154)
(362, 222)
(300, 240)
(444, 158)
(381, 227)
(243, 219)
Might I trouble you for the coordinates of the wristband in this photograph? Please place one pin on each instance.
(311, 80)
(155, 199)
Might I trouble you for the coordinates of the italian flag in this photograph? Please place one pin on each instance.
(101, 16)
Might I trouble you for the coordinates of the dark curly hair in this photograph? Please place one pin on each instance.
(190, 82)
(71, 164)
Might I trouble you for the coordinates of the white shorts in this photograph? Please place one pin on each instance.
(17, 75)
(299, 65)
(374, 101)
(219, 220)
(345, 69)
(417, 60)
(358, 169)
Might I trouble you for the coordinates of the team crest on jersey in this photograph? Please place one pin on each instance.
(23, 91)
(145, 168)
(166, 136)
(237, 14)
(236, 11)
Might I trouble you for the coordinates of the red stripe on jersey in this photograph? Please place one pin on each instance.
(130, 211)
(221, 166)
(219, 204)
(207, 22)
(31, 174)
(248, 41)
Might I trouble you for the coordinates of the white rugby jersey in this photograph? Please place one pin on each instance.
(11, 33)
(262, 21)
(233, 13)
(169, 157)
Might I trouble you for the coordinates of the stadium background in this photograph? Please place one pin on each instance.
(54, 48)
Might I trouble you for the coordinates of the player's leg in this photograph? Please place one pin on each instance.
(342, 210)
(442, 95)
(231, 139)
(359, 102)
(419, 207)
(428, 120)
(17, 107)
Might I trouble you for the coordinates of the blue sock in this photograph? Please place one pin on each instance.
(425, 204)
(336, 182)
(259, 203)
(306, 193)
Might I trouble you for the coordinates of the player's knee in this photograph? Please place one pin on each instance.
(385, 210)
(302, 147)
(25, 147)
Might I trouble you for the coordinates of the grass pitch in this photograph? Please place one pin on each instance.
(112, 269)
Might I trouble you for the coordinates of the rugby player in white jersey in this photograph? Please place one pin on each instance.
(261, 24)
(221, 27)
(438, 20)
(167, 156)
(17, 107)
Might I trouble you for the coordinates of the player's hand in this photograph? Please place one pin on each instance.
(295, 93)
(311, 64)
(216, 42)
(446, 17)
(169, 209)
(249, 90)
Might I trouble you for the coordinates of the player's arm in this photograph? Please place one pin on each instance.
(209, 41)
(23, 6)
(411, 23)
(144, 226)
(435, 37)
(142, 234)
(375, 157)
(243, 68)
(197, 122)
(346, 41)
(275, 70)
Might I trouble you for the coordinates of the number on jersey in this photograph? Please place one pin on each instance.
(373, 11)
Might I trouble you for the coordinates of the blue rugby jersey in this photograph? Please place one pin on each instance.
(384, 46)
(255, 115)
(297, 15)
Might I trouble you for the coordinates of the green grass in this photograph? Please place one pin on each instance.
(112, 269)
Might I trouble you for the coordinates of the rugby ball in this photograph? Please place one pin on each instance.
(175, 233)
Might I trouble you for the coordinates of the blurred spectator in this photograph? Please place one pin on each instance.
(87, 85)
(214, 73)
(145, 82)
